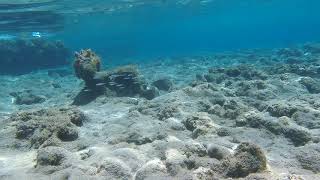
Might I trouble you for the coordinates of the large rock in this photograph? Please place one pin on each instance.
(36, 127)
(298, 135)
(248, 158)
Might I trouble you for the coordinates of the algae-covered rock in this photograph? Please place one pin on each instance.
(86, 64)
(115, 169)
(281, 109)
(298, 135)
(51, 156)
(248, 158)
(312, 85)
(123, 81)
(153, 168)
(37, 127)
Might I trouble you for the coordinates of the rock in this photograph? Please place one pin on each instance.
(196, 148)
(204, 173)
(175, 124)
(27, 98)
(199, 124)
(281, 109)
(153, 168)
(39, 126)
(218, 152)
(196, 121)
(114, 169)
(309, 119)
(67, 133)
(312, 85)
(52, 156)
(223, 132)
(86, 65)
(309, 159)
(167, 111)
(248, 158)
(174, 161)
(132, 157)
(138, 139)
(297, 135)
(163, 84)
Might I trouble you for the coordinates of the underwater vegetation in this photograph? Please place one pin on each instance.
(19, 56)
(121, 81)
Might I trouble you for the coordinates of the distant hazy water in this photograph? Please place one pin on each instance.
(145, 29)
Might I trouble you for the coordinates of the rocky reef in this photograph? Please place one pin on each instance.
(247, 115)
(19, 56)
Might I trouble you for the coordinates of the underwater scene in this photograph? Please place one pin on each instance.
(159, 89)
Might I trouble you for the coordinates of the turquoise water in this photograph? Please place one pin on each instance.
(147, 29)
(165, 30)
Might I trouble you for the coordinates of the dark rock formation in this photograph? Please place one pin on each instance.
(22, 56)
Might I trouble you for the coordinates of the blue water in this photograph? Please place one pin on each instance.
(161, 28)
(170, 30)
